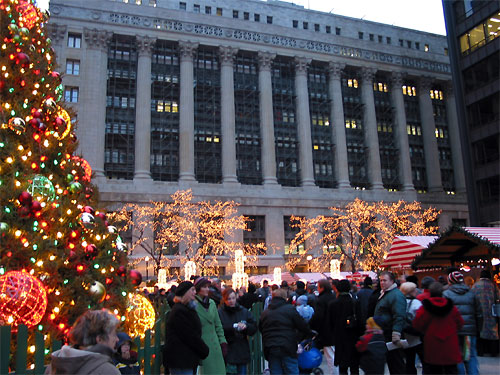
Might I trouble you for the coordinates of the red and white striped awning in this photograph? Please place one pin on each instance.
(491, 234)
(404, 249)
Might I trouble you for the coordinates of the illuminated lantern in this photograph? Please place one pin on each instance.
(189, 269)
(29, 13)
(23, 299)
(277, 276)
(141, 312)
(240, 278)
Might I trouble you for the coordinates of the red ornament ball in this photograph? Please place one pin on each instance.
(29, 13)
(23, 59)
(25, 198)
(88, 209)
(91, 251)
(36, 206)
(23, 299)
(135, 277)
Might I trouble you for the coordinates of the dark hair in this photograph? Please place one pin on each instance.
(368, 281)
(284, 284)
(251, 288)
(427, 281)
(485, 274)
(436, 289)
(226, 292)
(344, 286)
(274, 287)
(412, 279)
(390, 274)
(265, 282)
(300, 285)
(325, 284)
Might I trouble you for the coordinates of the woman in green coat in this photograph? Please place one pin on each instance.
(212, 331)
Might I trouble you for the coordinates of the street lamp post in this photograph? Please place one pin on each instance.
(147, 268)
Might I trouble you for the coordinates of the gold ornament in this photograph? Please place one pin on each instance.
(141, 312)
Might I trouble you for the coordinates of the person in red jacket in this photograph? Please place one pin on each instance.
(439, 320)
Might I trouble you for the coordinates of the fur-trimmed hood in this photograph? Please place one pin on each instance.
(438, 306)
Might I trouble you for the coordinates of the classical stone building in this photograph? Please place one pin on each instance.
(284, 110)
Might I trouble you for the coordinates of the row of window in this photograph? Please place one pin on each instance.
(480, 35)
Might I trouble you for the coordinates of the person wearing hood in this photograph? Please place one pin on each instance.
(469, 306)
(212, 331)
(184, 347)
(303, 308)
(238, 324)
(280, 325)
(391, 305)
(126, 355)
(439, 321)
(93, 337)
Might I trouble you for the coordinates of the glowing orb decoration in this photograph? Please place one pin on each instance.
(23, 299)
(189, 270)
(29, 14)
(42, 188)
(141, 312)
(62, 133)
(85, 165)
(335, 269)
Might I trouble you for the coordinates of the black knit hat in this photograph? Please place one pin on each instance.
(183, 287)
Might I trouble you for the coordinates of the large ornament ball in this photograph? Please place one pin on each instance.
(23, 299)
(13, 28)
(91, 251)
(22, 59)
(36, 206)
(24, 32)
(25, 198)
(42, 187)
(4, 227)
(86, 220)
(17, 124)
(135, 277)
(111, 229)
(141, 312)
(50, 105)
(98, 291)
(29, 13)
(75, 187)
(88, 209)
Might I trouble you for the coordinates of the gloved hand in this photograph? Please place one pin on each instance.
(224, 348)
(396, 339)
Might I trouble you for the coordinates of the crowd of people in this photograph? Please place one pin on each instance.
(440, 325)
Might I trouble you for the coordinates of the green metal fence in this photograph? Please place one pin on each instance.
(149, 349)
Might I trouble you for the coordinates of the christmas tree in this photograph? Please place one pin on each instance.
(59, 256)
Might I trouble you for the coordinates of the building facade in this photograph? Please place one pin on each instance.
(473, 28)
(284, 110)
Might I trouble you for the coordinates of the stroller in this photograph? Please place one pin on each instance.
(309, 358)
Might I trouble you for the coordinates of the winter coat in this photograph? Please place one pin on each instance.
(424, 295)
(238, 349)
(95, 360)
(128, 366)
(279, 325)
(364, 299)
(248, 299)
(213, 335)
(487, 294)
(469, 306)
(320, 321)
(184, 347)
(345, 334)
(373, 349)
(439, 320)
(392, 306)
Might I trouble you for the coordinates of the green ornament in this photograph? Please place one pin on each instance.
(59, 91)
(75, 187)
(42, 187)
(4, 227)
(13, 28)
(17, 38)
(70, 177)
(24, 32)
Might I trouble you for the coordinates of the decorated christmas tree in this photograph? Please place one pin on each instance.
(59, 256)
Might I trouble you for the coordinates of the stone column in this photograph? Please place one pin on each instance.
(337, 123)
(456, 151)
(186, 116)
(306, 166)
(227, 55)
(92, 129)
(268, 152)
(405, 175)
(145, 46)
(370, 129)
(434, 183)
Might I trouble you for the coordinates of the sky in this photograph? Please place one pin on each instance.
(423, 15)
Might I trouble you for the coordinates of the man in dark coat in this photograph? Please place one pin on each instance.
(345, 314)
(320, 322)
(184, 347)
(364, 297)
(279, 325)
(249, 298)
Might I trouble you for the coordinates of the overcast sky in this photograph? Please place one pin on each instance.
(424, 15)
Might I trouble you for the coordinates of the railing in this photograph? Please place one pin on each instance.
(149, 349)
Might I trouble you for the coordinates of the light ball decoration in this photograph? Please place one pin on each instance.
(29, 13)
(98, 291)
(42, 188)
(63, 114)
(141, 312)
(85, 165)
(23, 299)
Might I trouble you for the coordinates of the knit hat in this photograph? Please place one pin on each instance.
(455, 278)
(200, 282)
(375, 322)
(302, 300)
(183, 287)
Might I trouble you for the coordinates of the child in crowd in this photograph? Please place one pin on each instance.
(125, 357)
(372, 347)
(303, 308)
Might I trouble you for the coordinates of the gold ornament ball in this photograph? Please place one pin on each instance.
(98, 291)
(141, 312)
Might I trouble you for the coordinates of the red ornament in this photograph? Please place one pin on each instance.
(25, 198)
(23, 211)
(91, 251)
(23, 59)
(34, 122)
(88, 210)
(42, 127)
(56, 75)
(121, 271)
(59, 122)
(23, 299)
(36, 206)
(135, 277)
(29, 14)
(37, 114)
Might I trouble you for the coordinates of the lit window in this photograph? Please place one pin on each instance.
(409, 91)
(352, 83)
(426, 48)
(74, 40)
(219, 11)
(73, 67)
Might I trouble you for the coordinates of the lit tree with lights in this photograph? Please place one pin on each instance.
(360, 233)
(58, 255)
(202, 231)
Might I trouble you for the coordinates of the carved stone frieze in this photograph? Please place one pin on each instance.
(97, 39)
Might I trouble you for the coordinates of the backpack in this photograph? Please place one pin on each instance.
(409, 316)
